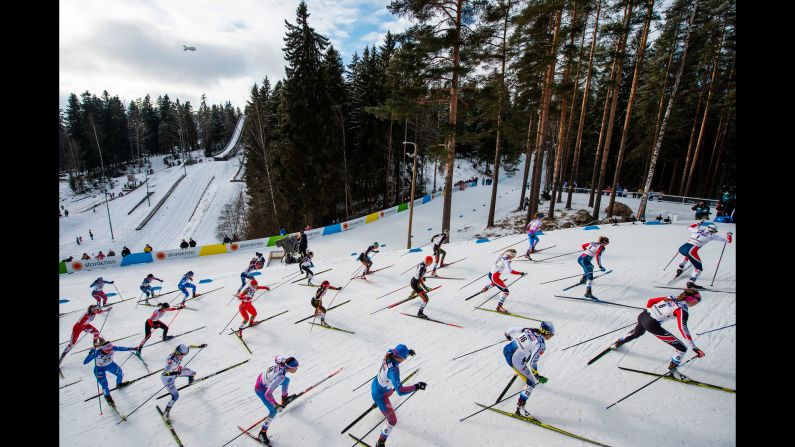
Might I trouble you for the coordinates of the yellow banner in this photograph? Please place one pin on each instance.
(214, 249)
(371, 217)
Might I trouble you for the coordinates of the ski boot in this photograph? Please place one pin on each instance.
(520, 409)
(61, 359)
(381, 442)
(191, 379)
(166, 413)
(110, 401)
(323, 323)
(121, 385)
(672, 366)
(617, 344)
(421, 314)
(501, 309)
(692, 285)
(588, 293)
(242, 325)
(679, 272)
(582, 280)
(263, 437)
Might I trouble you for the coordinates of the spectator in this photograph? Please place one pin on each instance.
(702, 210)
(667, 220)
(91, 234)
(85, 257)
(125, 251)
(192, 243)
(227, 240)
(184, 244)
(81, 239)
(69, 259)
(302, 243)
(235, 238)
(282, 231)
(526, 203)
(111, 252)
(66, 212)
(101, 255)
(77, 239)
(148, 248)
(95, 209)
(659, 218)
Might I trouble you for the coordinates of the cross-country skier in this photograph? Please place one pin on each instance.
(245, 298)
(660, 310)
(591, 250)
(418, 284)
(103, 353)
(532, 228)
(246, 274)
(700, 234)
(526, 346)
(364, 258)
(97, 293)
(154, 322)
(305, 265)
(502, 266)
(146, 286)
(386, 382)
(172, 370)
(437, 250)
(317, 301)
(83, 325)
(267, 382)
(185, 284)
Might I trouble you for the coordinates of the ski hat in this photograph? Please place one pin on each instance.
(693, 293)
(190, 273)
(375, 244)
(291, 362)
(254, 282)
(105, 345)
(401, 351)
(163, 305)
(547, 328)
(181, 349)
(429, 260)
(325, 284)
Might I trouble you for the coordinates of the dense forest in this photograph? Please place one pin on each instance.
(600, 93)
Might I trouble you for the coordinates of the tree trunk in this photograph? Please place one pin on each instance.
(706, 111)
(690, 144)
(450, 140)
(574, 91)
(389, 164)
(642, 207)
(528, 152)
(556, 174)
(611, 120)
(600, 141)
(546, 98)
(673, 174)
(496, 176)
(706, 180)
(578, 145)
(628, 114)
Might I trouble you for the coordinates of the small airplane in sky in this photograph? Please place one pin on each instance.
(187, 48)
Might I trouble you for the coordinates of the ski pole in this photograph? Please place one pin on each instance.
(382, 420)
(713, 330)
(100, 400)
(644, 386)
(153, 395)
(481, 276)
(138, 301)
(117, 291)
(508, 246)
(409, 250)
(598, 336)
(477, 350)
(716, 268)
(672, 260)
(561, 279)
(390, 293)
(553, 257)
(510, 382)
(486, 408)
(236, 312)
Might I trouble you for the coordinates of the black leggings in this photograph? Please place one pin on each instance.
(415, 285)
(155, 325)
(647, 323)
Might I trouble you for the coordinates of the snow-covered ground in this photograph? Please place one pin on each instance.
(666, 413)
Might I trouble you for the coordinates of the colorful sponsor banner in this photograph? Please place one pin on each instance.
(314, 233)
(93, 264)
(427, 199)
(61, 267)
(162, 255)
(371, 217)
(214, 249)
(352, 224)
(136, 258)
(254, 244)
(389, 211)
(403, 207)
(331, 229)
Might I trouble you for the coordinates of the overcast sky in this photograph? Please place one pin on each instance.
(134, 47)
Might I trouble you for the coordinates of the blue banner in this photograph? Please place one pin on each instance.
(136, 258)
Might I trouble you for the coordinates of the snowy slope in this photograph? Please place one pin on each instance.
(574, 399)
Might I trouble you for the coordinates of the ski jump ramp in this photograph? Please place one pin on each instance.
(231, 147)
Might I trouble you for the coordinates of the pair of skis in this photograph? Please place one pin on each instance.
(362, 276)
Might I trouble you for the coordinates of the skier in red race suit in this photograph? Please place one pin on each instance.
(83, 325)
(246, 307)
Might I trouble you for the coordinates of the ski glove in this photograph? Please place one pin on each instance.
(541, 379)
(602, 268)
(729, 236)
(524, 273)
(699, 353)
(421, 385)
(411, 352)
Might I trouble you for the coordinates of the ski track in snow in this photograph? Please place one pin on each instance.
(665, 414)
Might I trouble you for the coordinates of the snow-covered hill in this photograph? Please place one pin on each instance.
(575, 398)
